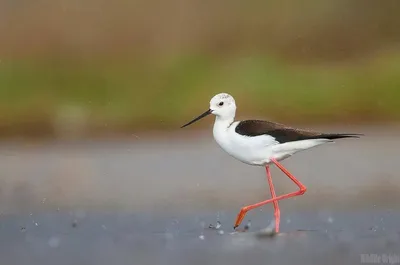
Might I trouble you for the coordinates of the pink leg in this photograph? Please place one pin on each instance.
(301, 191)
(277, 211)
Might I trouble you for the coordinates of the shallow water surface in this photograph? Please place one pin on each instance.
(150, 201)
(112, 238)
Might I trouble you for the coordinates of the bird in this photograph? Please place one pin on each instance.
(262, 143)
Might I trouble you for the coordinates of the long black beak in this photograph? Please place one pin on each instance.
(208, 112)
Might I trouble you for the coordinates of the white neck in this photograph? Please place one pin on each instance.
(222, 123)
(220, 131)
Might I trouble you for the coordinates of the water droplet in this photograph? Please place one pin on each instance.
(247, 226)
(373, 228)
(268, 231)
(216, 227)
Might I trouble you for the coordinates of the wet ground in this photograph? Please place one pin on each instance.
(143, 201)
(113, 238)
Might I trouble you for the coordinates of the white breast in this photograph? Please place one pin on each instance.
(250, 150)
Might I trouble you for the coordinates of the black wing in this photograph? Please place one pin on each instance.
(282, 133)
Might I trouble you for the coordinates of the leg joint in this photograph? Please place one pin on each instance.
(245, 209)
(302, 190)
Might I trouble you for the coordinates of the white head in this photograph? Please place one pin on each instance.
(221, 105)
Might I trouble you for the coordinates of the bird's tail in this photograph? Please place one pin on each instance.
(332, 136)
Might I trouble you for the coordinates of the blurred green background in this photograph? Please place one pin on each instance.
(88, 68)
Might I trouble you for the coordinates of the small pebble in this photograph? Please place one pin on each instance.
(201, 237)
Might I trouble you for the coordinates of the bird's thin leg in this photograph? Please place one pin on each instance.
(301, 191)
(287, 173)
(277, 211)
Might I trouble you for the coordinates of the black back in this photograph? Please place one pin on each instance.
(282, 133)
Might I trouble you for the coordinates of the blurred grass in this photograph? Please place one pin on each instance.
(39, 96)
(94, 67)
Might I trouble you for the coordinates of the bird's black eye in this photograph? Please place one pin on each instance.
(221, 103)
